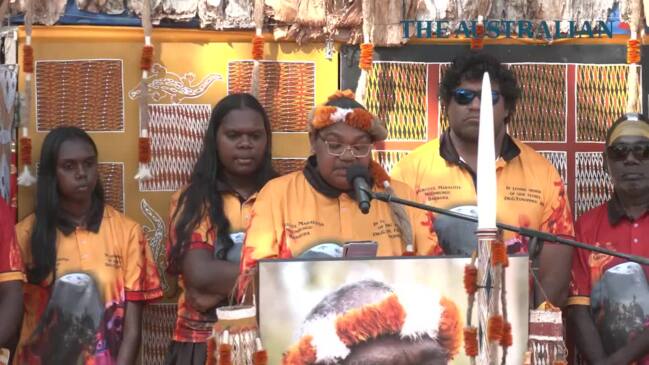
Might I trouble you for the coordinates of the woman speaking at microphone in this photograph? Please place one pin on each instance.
(313, 212)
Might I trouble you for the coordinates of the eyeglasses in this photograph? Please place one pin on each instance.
(620, 152)
(338, 149)
(465, 96)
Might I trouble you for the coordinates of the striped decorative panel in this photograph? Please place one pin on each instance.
(396, 93)
(86, 93)
(592, 185)
(176, 132)
(388, 159)
(112, 179)
(158, 322)
(286, 90)
(540, 113)
(284, 166)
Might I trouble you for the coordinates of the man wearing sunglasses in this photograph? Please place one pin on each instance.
(530, 191)
(609, 298)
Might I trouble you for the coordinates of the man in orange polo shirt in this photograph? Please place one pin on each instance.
(530, 190)
(11, 278)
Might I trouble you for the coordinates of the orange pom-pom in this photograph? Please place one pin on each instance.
(25, 151)
(28, 59)
(495, 328)
(260, 358)
(322, 116)
(302, 353)
(360, 118)
(225, 354)
(144, 150)
(633, 54)
(499, 254)
(470, 279)
(147, 58)
(367, 54)
(257, 47)
(507, 339)
(211, 355)
(471, 341)
(477, 42)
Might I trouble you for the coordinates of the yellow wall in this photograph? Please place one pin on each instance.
(180, 51)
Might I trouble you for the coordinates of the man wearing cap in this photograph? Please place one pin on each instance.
(608, 309)
(530, 191)
(313, 211)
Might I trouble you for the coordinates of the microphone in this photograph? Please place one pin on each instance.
(358, 177)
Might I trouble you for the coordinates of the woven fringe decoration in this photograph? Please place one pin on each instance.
(477, 41)
(545, 339)
(26, 178)
(146, 61)
(235, 338)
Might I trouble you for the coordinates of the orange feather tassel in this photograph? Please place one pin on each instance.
(471, 341)
(477, 42)
(260, 358)
(211, 356)
(495, 328)
(367, 54)
(26, 151)
(257, 47)
(470, 279)
(507, 339)
(147, 58)
(225, 354)
(633, 54)
(28, 59)
(144, 150)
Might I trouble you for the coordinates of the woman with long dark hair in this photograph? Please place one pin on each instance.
(209, 215)
(73, 231)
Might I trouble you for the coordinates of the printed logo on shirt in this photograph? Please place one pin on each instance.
(113, 260)
(523, 194)
(436, 193)
(301, 229)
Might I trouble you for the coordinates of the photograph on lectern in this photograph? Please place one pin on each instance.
(401, 310)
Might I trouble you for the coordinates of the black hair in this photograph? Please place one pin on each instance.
(345, 102)
(47, 217)
(471, 67)
(201, 197)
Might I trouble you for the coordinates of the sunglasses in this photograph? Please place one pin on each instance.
(620, 152)
(465, 96)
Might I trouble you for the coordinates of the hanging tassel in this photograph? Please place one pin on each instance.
(211, 350)
(144, 157)
(147, 57)
(225, 350)
(26, 178)
(499, 254)
(506, 340)
(495, 328)
(470, 279)
(477, 41)
(28, 59)
(471, 341)
(257, 47)
(633, 54)
(365, 64)
(260, 357)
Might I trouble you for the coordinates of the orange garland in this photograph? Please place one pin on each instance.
(633, 51)
(506, 340)
(257, 47)
(26, 150)
(470, 279)
(499, 254)
(383, 318)
(302, 353)
(471, 341)
(495, 328)
(144, 150)
(225, 354)
(477, 42)
(367, 54)
(28, 59)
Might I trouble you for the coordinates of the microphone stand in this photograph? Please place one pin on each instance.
(535, 235)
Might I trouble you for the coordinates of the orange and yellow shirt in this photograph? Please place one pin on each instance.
(292, 216)
(114, 252)
(11, 263)
(191, 325)
(531, 193)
